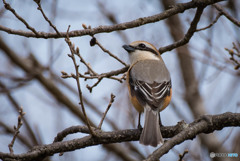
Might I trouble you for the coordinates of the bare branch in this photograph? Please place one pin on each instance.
(94, 75)
(105, 113)
(179, 134)
(181, 156)
(235, 55)
(45, 17)
(8, 7)
(17, 107)
(192, 96)
(210, 25)
(71, 130)
(16, 129)
(90, 70)
(232, 19)
(45, 82)
(94, 85)
(73, 52)
(179, 8)
(187, 36)
(10, 131)
(107, 51)
(199, 126)
(102, 75)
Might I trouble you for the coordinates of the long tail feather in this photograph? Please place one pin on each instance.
(151, 134)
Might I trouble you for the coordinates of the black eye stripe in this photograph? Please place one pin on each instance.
(146, 49)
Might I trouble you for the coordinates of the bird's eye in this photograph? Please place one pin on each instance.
(142, 45)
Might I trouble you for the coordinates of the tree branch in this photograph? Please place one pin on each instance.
(232, 19)
(45, 82)
(192, 29)
(73, 53)
(199, 126)
(16, 129)
(106, 51)
(211, 24)
(105, 113)
(57, 93)
(179, 8)
(8, 7)
(179, 133)
(46, 18)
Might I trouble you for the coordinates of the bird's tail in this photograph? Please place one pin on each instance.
(151, 134)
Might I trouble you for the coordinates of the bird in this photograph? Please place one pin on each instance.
(150, 88)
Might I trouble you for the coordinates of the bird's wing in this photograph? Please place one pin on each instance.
(150, 92)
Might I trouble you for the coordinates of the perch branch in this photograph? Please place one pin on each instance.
(177, 134)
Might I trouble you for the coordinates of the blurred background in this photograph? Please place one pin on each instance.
(203, 77)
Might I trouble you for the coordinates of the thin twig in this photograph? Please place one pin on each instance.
(105, 113)
(8, 7)
(16, 129)
(15, 104)
(210, 25)
(46, 18)
(94, 41)
(99, 76)
(181, 156)
(109, 75)
(49, 85)
(114, 72)
(109, 53)
(65, 75)
(94, 85)
(234, 55)
(232, 19)
(73, 51)
(91, 71)
(106, 51)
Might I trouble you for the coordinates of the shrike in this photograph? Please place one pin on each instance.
(150, 88)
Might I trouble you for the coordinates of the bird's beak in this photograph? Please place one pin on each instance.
(128, 48)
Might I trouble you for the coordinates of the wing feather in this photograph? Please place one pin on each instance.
(152, 94)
